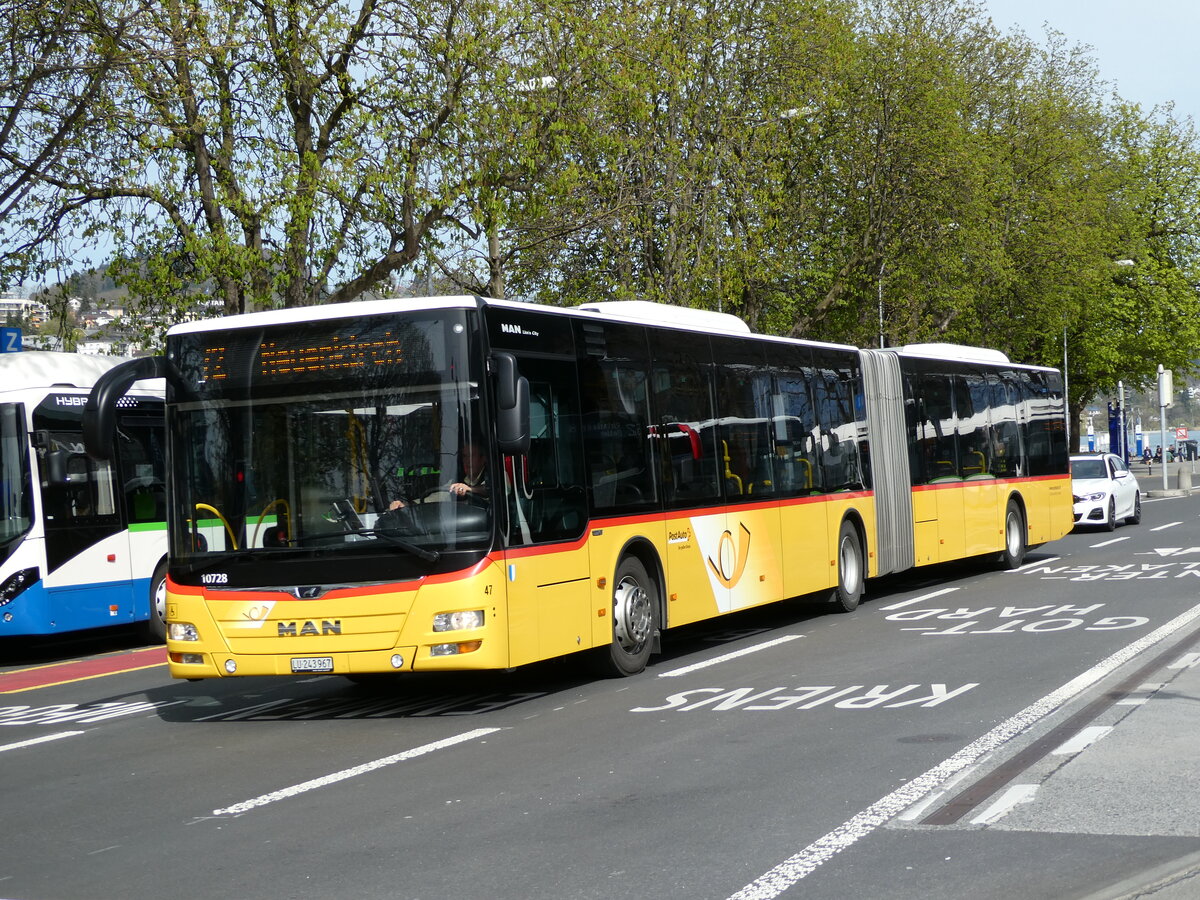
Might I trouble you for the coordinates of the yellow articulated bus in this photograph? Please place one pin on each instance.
(461, 483)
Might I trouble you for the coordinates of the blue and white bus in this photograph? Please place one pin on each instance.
(82, 542)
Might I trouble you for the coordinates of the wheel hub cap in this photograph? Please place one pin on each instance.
(631, 615)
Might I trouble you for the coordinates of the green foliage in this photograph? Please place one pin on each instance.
(53, 67)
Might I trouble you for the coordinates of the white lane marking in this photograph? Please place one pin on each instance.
(1106, 543)
(904, 603)
(1186, 661)
(779, 879)
(1018, 793)
(1084, 739)
(245, 806)
(1165, 527)
(915, 812)
(717, 660)
(40, 740)
(1132, 701)
(1030, 565)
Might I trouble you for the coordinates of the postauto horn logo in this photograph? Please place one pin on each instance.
(731, 560)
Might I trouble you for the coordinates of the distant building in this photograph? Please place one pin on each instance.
(28, 310)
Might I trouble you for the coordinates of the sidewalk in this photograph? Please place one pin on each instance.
(1150, 478)
(1139, 778)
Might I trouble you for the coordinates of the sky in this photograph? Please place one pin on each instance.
(1147, 49)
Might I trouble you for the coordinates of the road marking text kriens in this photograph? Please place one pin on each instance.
(855, 696)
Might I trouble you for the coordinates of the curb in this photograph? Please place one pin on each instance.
(1152, 880)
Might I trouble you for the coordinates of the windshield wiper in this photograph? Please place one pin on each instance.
(419, 552)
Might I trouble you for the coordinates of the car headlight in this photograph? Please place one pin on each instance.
(1099, 495)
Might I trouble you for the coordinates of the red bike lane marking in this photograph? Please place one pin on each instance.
(81, 670)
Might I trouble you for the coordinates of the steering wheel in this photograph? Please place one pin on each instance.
(399, 521)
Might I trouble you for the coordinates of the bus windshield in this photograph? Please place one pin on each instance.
(347, 439)
(15, 514)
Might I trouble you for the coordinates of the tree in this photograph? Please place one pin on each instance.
(666, 184)
(56, 62)
(280, 152)
(1144, 309)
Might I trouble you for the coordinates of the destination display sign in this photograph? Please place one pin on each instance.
(336, 354)
(363, 350)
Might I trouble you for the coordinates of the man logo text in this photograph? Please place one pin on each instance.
(289, 629)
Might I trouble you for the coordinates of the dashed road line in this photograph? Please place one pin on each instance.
(717, 660)
(929, 596)
(1014, 796)
(1032, 565)
(1082, 740)
(333, 778)
(40, 740)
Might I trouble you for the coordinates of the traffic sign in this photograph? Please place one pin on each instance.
(10, 340)
(1181, 434)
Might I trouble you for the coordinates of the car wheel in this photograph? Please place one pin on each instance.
(1136, 518)
(1110, 521)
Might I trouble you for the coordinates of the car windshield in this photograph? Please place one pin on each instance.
(1088, 468)
(302, 451)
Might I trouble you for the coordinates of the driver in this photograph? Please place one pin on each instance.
(474, 473)
(474, 479)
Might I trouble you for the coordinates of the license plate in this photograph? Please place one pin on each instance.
(312, 663)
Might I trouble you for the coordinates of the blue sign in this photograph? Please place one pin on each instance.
(10, 340)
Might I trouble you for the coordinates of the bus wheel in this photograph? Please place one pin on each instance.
(1013, 553)
(635, 619)
(849, 588)
(155, 627)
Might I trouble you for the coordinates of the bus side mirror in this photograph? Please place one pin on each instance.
(512, 405)
(56, 467)
(100, 412)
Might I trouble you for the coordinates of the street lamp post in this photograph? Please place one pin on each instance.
(1164, 396)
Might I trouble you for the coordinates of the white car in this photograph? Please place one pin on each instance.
(1105, 491)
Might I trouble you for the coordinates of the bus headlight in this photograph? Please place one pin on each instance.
(182, 631)
(15, 583)
(458, 621)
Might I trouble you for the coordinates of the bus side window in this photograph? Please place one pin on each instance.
(793, 425)
(836, 400)
(682, 392)
(615, 417)
(143, 463)
(86, 491)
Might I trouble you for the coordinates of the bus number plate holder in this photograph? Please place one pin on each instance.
(312, 664)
